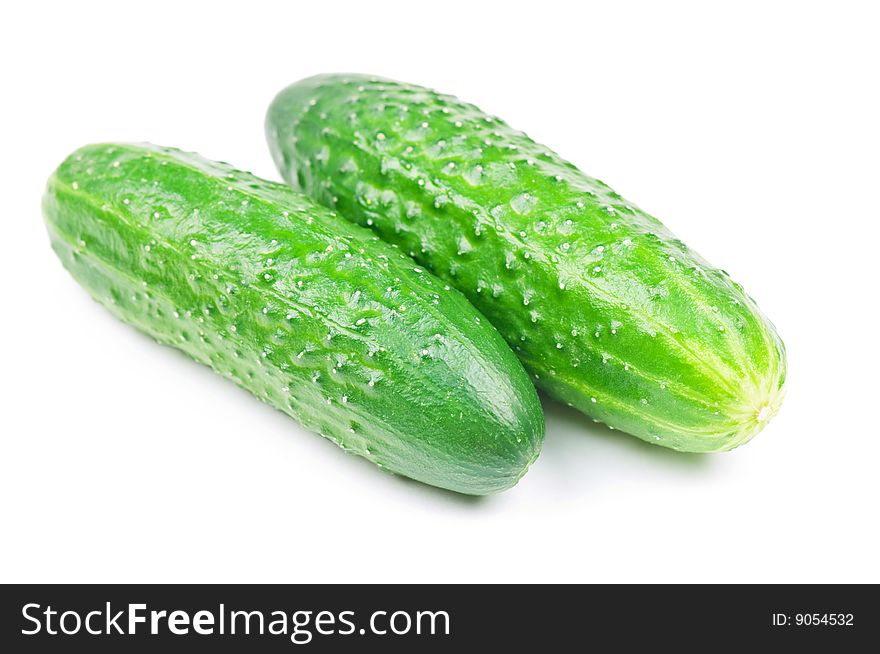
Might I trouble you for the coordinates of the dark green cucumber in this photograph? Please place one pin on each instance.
(313, 315)
(608, 310)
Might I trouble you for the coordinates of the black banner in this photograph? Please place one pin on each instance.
(278, 618)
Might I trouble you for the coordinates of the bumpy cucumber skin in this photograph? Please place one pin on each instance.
(607, 309)
(312, 314)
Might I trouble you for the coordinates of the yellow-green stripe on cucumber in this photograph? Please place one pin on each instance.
(312, 314)
(607, 309)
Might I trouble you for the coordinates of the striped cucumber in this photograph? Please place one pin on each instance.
(607, 309)
(310, 313)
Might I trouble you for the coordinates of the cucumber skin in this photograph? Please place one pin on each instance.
(313, 315)
(609, 312)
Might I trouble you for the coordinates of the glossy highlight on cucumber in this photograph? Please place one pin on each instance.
(312, 314)
(607, 309)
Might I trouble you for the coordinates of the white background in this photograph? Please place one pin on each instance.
(751, 131)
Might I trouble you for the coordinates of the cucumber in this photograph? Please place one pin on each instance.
(609, 312)
(312, 314)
